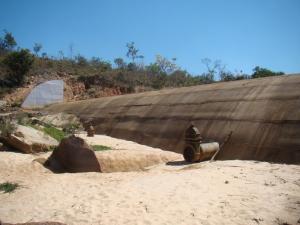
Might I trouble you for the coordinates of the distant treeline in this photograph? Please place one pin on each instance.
(16, 63)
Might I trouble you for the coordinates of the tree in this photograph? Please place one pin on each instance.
(132, 52)
(165, 65)
(8, 42)
(227, 76)
(120, 63)
(263, 72)
(71, 48)
(162, 65)
(61, 54)
(81, 60)
(178, 78)
(132, 66)
(100, 64)
(44, 55)
(213, 68)
(37, 48)
(206, 78)
(18, 63)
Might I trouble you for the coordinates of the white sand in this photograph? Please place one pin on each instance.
(222, 192)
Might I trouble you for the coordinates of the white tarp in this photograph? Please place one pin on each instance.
(44, 94)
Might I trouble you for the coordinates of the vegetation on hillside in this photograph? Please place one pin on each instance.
(16, 64)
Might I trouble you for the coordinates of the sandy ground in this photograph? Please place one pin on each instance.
(221, 192)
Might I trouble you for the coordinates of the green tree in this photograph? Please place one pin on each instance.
(37, 48)
(132, 52)
(8, 42)
(227, 76)
(100, 64)
(263, 72)
(120, 63)
(18, 63)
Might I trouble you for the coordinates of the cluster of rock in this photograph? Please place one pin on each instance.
(27, 138)
(72, 154)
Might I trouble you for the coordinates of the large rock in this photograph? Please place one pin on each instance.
(60, 119)
(73, 155)
(29, 140)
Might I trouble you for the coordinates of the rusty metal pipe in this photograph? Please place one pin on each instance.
(202, 152)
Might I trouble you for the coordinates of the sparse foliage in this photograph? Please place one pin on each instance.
(37, 48)
(81, 60)
(100, 64)
(132, 52)
(7, 43)
(214, 68)
(163, 65)
(7, 127)
(120, 63)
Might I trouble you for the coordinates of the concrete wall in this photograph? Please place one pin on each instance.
(264, 115)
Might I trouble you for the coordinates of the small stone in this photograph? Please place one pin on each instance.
(226, 181)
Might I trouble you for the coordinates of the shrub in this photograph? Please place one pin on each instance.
(18, 63)
(70, 128)
(263, 72)
(100, 148)
(7, 127)
(8, 187)
(55, 133)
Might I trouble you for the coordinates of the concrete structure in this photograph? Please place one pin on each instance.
(264, 115)
(44, 94)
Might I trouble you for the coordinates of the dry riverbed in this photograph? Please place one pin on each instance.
(221, 192)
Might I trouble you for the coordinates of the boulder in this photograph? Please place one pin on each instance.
(60, 119)
(29, 140)
(73, 155)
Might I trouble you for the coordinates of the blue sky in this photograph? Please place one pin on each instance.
(241, 33)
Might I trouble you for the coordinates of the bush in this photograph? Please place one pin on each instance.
(55, 133)
(8, 187)
(7, 127)
(262, 72)
(18, 64)
(70, 128)
(100, 148)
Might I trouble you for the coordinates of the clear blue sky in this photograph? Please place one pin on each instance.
(241, 33)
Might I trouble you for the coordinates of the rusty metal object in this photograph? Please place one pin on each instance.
(222, 145)
(90, 131)
(194, 149)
